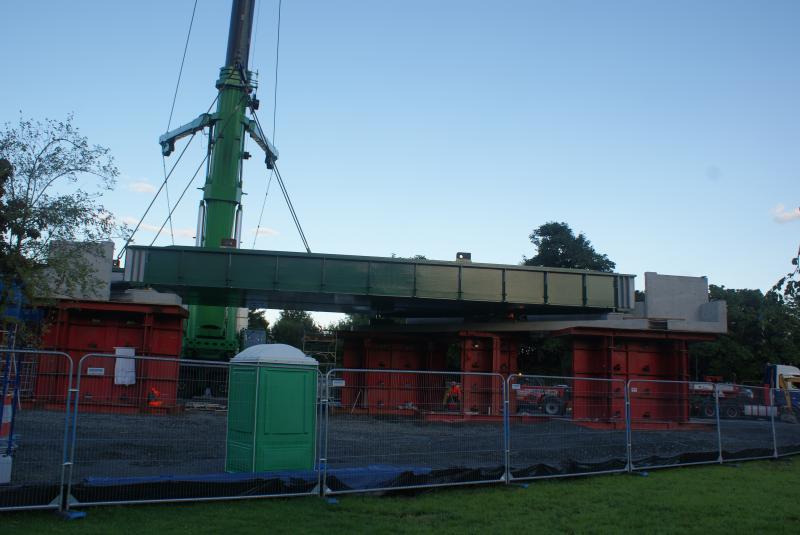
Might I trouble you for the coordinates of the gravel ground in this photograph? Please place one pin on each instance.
(194, 443)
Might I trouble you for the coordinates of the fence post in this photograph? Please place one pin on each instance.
(628, 433)
(74, 427)
(772, 410)
(506, 428)
(323, 454)
(719, 428)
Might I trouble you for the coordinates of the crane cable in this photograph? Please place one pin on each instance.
(274, 116)
(283, 189)
(171, 112)
(163, 184)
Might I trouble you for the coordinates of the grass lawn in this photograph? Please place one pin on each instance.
(752, 498)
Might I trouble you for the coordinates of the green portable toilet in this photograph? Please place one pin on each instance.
(272, 409)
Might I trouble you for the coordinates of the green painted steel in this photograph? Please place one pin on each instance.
(211, 331)
(271, 418)
(342, 283)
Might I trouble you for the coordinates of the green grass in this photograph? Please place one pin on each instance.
(753, 498)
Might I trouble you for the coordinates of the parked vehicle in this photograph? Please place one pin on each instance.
(732, 398)
(533, 396)
(779, 396)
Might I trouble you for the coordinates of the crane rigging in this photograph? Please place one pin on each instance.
(211, 330)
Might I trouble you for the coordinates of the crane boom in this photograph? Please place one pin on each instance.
(211, 330)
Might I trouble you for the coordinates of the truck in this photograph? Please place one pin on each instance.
(732, 398)
(779, 395)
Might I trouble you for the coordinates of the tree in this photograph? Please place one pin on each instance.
(761, 329)
(787, 289)
(350, 322)
(46, 202)
(257, 320)
(557, 246)
(291, 325)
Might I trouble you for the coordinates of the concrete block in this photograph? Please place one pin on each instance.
(674, 297)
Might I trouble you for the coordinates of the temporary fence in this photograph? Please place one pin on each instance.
(152, 429)
(131, 429)
(673, 423)
(390, 430)
(36, 390)
(786, 422)
(746, 422)
(562, 426)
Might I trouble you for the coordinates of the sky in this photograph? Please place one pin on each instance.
(667, 132)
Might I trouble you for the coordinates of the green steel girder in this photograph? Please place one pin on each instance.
(390, 286)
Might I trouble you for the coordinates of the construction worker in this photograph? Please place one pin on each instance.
(452, 397)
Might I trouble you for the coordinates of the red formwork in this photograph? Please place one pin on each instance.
(597, 353)
(631, 356)
(479, 352)
(82, 327)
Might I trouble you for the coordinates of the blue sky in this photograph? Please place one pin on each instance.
(666, 131)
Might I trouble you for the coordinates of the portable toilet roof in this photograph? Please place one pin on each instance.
(274, 354)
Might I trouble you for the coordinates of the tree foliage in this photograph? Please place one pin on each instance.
(761, 329)
(256, 319)
(558, 246)
(49, 196)
(290, 327)
(350, 322)
(788, 287)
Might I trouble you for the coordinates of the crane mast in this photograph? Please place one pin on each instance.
(211, 330)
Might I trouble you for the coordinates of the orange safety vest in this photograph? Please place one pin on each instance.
(154, 398)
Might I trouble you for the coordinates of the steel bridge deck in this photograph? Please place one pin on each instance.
(391, 286)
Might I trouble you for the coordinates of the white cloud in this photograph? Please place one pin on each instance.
(264, 231)
(142, 186)
(781, 215)
(182, 232)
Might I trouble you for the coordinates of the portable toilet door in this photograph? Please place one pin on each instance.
(272, 409)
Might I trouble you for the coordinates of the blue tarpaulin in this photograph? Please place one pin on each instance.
(371, 476)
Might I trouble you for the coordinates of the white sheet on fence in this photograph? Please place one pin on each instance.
(125, 371)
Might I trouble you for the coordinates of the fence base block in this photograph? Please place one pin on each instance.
(71, 515)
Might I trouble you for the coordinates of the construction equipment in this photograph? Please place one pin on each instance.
(533, 396)
(732, 398)
(211, 331)
(780, 396)
(785, 380)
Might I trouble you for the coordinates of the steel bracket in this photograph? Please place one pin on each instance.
(261, 140)
(167, 141)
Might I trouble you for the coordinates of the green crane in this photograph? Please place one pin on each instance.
(211, 330)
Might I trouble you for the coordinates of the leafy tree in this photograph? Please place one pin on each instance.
(787, 289)
(557, 246)
(45, 202)
(257, 320)
(350, 322)
(761, 329)
(290, 327)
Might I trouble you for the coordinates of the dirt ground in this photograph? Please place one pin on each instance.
(193, 443)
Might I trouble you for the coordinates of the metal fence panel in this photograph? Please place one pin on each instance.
(561, 426)
(787, 423)
(389, 429)
(745, 421)
(672, 423)
(35, 390)
(157, 429)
